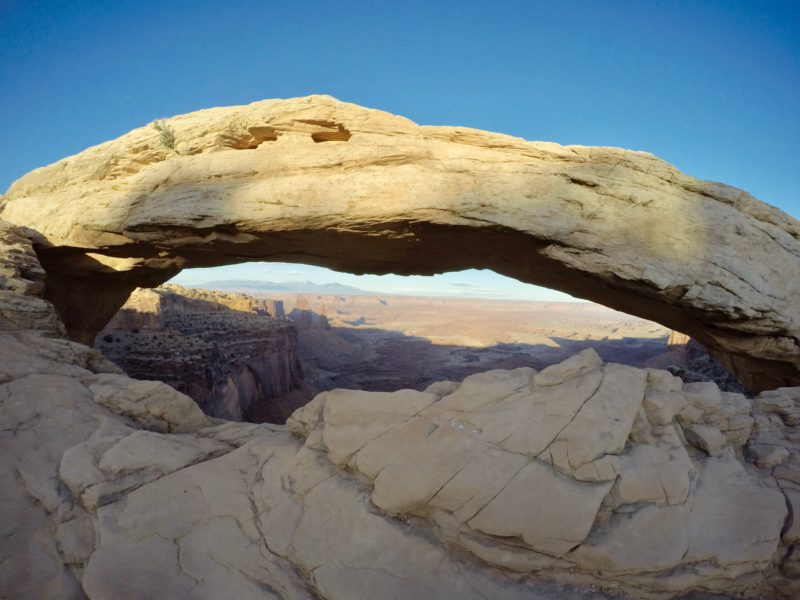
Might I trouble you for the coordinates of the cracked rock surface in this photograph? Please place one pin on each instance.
(500, 488)
(109, 499)
(584, 468)
(324, 182)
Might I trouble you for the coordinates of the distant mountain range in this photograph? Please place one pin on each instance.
(300, 287)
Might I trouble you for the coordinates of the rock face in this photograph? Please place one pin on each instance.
(333, 184)
(226, 351)
(507, 485)
(692, 362)
(607, 471)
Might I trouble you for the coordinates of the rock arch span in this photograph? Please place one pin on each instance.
(333, 184)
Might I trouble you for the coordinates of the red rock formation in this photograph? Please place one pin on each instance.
(228, 352)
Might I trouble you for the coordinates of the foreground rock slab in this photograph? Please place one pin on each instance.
(512, 484)
(584, 469)
(324, 182)
(106, 495)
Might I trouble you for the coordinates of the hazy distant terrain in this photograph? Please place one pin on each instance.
(381, 342)
(300, 287)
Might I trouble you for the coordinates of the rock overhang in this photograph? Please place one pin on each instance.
(324, 182)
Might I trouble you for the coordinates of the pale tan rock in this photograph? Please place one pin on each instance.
(663, 398)
(21, 285)
(442, 388)
(734, 516)
(152, 404)
(481, 390)
(355, 418)
(618, 498)
(76, 539)
(615, 404)
(621, 547)
(474, 486)
(377, 192)
(407, 484)
(709, 439)
(101, 500)
(507, 555)
(576, 365)
(526, 421)
(552, 513)
(389, 447)
(767, 457)
(144, 449)
(650, 474)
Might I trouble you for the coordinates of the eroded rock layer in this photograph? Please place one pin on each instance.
(324, 182)
(229, 352)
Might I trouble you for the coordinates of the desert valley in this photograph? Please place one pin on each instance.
(370, 342)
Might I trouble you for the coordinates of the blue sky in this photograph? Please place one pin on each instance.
(712, 87)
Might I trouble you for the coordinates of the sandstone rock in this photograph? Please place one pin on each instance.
(734, 516)
(650, 474)
(113, 487)
(576, 365)
(21, 285)
(579, 495)
(250, 510)
(619, 227)
(708, 439)
(442, 388)
(151, 404)
(550, 512)
(228, 352)
(768, 456)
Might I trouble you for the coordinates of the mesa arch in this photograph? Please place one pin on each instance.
(333, 184)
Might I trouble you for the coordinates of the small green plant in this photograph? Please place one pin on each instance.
(166, 135)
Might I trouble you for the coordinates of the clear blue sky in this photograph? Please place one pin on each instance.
(712, 87)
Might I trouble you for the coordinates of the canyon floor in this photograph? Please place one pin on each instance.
(385, 343)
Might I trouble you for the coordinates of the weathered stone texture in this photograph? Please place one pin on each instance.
(622, 228)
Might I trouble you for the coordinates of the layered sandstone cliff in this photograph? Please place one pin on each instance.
(235, 355)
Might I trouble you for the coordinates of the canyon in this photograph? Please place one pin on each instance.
(583, 479)
(389, 342)
(236, 356)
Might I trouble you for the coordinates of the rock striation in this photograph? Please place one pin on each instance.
(324, 182)
(235, 355)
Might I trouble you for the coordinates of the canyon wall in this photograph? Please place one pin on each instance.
(226, 351)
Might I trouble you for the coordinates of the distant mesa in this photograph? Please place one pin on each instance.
(300, 287)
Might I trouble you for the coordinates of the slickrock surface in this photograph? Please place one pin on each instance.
(329, 183)
(229, 352)
(603, 471)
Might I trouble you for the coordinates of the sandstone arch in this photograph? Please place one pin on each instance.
(319, 181)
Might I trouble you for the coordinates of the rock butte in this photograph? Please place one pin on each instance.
(324, 182)
(579, 481)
